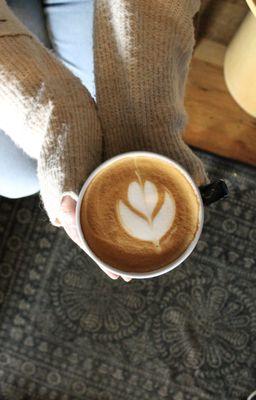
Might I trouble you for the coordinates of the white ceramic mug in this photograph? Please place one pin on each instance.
(162, 270)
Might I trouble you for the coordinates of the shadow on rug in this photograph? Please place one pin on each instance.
(67, 331)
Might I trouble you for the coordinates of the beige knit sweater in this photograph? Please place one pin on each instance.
(142, 50)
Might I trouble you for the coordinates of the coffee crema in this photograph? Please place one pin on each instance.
(139, 214)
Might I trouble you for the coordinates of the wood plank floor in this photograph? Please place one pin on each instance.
(216, 122)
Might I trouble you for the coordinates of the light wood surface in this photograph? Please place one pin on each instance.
(216, 122)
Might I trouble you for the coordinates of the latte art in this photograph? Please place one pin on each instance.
(141, 224)
(139, 214)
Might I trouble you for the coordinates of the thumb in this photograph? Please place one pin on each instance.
(67, 218)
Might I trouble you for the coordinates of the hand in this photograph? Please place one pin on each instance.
(67, 218)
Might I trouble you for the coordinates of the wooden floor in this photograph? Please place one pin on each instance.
(216, 122)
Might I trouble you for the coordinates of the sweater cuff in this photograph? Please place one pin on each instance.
(52, 203)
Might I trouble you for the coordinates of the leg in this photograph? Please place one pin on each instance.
(18, 176)
(70, 25)
(18, 171)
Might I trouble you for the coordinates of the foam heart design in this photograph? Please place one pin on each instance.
(144, 199)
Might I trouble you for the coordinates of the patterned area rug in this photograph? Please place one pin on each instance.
(67, 331)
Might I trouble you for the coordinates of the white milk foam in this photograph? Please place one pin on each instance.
(142, 225)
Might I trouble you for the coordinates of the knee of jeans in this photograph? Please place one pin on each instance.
(15, 183)
(12, 192)
(18, 176)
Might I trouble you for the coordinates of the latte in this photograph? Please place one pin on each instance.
(139, 214)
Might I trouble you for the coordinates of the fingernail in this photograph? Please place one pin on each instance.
(127, 279)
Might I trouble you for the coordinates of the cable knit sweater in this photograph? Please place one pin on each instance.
(142, 50)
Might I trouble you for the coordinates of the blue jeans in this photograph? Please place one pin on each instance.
(65, 26)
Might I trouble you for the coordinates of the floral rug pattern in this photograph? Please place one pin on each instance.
(68, 332)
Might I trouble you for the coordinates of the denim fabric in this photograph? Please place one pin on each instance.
(18, 171)
(65, 27)
(70, 26)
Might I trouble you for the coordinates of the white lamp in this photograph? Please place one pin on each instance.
(240, 63)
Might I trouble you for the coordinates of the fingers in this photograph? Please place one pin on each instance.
(67, 218)
(110, 274)
(114, 276)
(126, 279)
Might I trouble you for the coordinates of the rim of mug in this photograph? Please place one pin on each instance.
(166, 268)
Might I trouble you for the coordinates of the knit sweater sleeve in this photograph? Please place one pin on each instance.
(47, 112)
(143, 50)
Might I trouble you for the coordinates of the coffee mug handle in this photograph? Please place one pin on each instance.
(213, 191)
